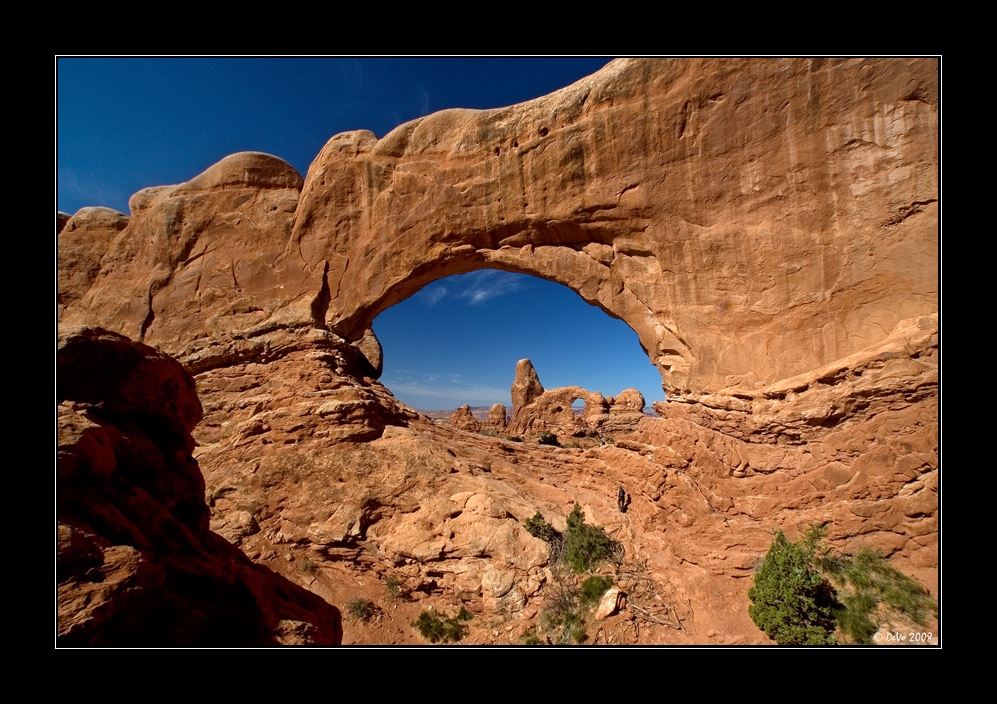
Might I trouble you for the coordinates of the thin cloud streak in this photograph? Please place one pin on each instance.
(486, 284)
(433, 398)
(431, 295)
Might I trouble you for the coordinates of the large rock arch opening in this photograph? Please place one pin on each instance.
(525, 263)
(458, 339)
(751, 220)
(746, 231)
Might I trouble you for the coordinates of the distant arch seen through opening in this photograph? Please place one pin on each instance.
(458, 339)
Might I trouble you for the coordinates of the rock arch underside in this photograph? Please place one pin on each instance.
(768, 227)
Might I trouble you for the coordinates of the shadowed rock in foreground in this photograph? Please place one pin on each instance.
(137, 564)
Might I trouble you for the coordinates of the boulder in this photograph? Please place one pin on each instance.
(497, 419)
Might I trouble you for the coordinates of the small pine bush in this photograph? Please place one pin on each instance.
(445, 629)
(791, 601)
(540, 528)
(586, 546)
(547, 438)
(794, 602)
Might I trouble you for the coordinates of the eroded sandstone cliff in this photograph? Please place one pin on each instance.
(137, 564)
(768, 228)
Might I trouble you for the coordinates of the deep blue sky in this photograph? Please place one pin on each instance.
(127, 124)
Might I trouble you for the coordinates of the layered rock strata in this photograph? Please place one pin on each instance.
(137, 564)
(768, 227)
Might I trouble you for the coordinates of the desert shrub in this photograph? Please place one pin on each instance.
(794, 602)
(791, 601)
(586, 546)
(307, 566)
(593, 588)
(516, 438)
(540, 528)
(362, 609)
(581, 547)
(488, 432)
(396, 592)
(445, 629)
(545, 437)
(560, 617)
(872, 591)
(531, 638)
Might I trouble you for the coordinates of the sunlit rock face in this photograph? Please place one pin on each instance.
(768, 227)
(749, 219)
(536, 410)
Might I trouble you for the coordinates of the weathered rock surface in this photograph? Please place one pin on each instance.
(204, 258)
(768, 227)
(83, 240)
(497, 419)
(729, 211)
(463, 419)
(137, 564)
(526, 386)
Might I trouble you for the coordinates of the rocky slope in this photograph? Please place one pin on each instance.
(769, 229)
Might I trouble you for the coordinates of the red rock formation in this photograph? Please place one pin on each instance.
(137, 564)
(768, 227)
(81, 247)
(497, 419)
(727, 210)
(462, 419)
(526, 386)
(551, 410)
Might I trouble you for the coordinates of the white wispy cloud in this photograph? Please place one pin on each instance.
(480, 286)
(432, 398)
(431, 295)
(89, 192)
(430, 392)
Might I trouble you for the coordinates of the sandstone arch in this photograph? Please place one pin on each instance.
(778, 218)
(750, 220)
